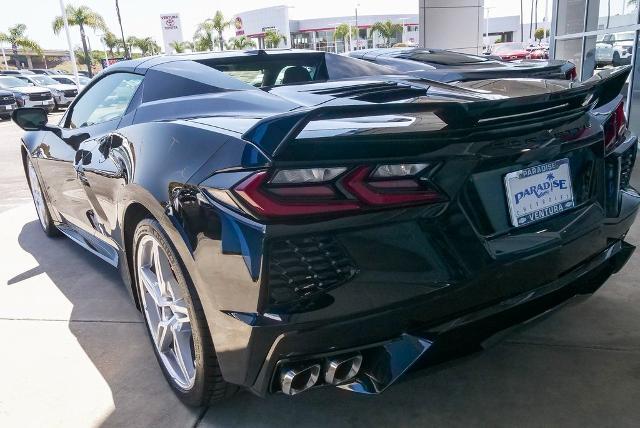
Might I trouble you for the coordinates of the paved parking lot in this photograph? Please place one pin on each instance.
(75, 353)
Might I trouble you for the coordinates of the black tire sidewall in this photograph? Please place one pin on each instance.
(49, 228)
(196, 396)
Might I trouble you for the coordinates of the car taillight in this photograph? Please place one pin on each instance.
(614, 127)
(571, 74)
(296, 192)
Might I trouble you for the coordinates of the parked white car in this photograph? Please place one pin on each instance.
(615, 49)
(63, 94)
(27, 94)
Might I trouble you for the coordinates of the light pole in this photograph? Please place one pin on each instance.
(104, 48)
(72, 54)
(357, 28)
(486, 21)
(4, 57)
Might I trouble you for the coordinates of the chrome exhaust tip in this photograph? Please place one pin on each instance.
(342, 368)
(294, 380)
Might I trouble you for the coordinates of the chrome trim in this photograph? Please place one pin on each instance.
(289, 376)
(336, 365)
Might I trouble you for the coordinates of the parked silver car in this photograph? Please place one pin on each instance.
(63, 94)
(27, 95)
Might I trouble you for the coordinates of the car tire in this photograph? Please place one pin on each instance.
(180, 315)
(616, 59)
(40, 202)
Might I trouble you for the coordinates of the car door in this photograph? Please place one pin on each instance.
(61, 160)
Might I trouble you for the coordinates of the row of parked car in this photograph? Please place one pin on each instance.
(37, 88)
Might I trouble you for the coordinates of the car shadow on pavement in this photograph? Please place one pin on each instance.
(110, 331)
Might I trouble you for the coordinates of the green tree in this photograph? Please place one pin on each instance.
(345, 32)
(387, 30)
(16, 37)
(111, 41)
(539, 34)
(241, 42)
(180, 47)
(272, 38)
(147, 46)
(82, 17)
(220, 24)
(204, 39)
(96, 56)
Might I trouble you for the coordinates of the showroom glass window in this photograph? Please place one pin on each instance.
(597, 35)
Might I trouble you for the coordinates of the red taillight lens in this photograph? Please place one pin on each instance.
(615, 127)
(290, 201)
(571, 74)
(386, 191)
(321, 191)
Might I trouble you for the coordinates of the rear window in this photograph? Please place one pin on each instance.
(271, 70)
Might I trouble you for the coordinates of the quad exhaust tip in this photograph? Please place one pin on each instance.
(294, 380)
(342, 368)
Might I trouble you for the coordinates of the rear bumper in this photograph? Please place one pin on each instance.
(438, 341)
(252, 347)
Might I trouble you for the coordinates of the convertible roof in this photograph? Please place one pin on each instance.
(141, 65)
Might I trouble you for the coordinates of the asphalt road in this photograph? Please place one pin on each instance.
(74, 353)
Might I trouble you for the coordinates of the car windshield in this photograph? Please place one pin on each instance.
(11, 82)
(42, 79)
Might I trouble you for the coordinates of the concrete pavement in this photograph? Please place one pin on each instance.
(76, 354)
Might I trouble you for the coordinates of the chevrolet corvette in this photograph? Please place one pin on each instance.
(288, 220)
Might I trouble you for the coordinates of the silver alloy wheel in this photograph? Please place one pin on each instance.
(38, 198)
(165, 310)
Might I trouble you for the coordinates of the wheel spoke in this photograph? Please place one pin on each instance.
(150, 282)
(164, 335)
(179, 308)
(182, 348)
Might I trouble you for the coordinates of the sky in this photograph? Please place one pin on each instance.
(141, 18)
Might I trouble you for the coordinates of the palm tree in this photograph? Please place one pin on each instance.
(147, 46)
(17, 39)
(124, 43)
(204, 38)
(272, 38)
(386, 30)
(241, 42)
(180, 47)
(220, 24)
(111, 41)
(345, 32)
(82, 17)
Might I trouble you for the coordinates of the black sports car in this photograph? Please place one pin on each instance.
(450, 66)
(286, 220)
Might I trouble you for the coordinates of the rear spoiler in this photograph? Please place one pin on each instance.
(277, 134)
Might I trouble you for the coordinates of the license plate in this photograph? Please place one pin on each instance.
(9, 107)
(539, 192)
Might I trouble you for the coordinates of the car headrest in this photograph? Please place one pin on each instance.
(296, 74)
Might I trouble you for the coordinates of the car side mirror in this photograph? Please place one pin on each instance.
(33, 119)
(30, 118)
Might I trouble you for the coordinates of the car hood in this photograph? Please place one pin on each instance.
(61, 87)
(29, 89)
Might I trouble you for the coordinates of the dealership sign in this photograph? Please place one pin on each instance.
(238, 24)
(171, 30)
